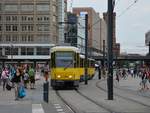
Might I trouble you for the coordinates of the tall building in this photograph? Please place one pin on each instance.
(28, 28)
(93, 29)
(116, 46)
(62, 18)
(75, 33)
(103, 34)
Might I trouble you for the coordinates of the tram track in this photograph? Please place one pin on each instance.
(123, 97)
(75, 109)
(70, 107)
(98, 104)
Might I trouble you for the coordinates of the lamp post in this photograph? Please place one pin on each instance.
(110, 46)
(86, 44)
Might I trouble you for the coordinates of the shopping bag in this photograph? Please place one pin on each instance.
(21, 92)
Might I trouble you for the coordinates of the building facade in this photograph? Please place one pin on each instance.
(103, 35)
(147, 38)
(93, 29)
(28, 28)
(116, 46)
(75, 33)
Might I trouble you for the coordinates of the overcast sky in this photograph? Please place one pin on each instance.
(131, 26)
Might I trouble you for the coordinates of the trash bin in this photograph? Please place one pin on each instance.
(46, 91)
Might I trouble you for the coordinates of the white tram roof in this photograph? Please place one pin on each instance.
(65, 48)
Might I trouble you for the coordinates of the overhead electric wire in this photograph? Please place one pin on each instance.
(129, 7)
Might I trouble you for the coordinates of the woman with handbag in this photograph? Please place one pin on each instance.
(18, 79)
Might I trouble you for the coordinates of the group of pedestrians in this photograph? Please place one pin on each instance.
(142, 73)
(20, 75)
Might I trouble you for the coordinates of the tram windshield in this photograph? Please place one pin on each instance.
(64, 59)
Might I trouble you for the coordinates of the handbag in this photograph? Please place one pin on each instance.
(21, 92)
(8, 87)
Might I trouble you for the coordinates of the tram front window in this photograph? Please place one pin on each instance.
(64, 59)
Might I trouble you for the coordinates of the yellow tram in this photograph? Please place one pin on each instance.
(67, 66)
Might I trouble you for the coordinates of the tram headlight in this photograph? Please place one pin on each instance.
(70, 76)
(58, 76)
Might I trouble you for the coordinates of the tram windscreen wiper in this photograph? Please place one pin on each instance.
(69, 65)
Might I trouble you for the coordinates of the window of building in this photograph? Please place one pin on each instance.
(8, 18)
(43, 38)
(24, 38)
(1, 39)
(14, 38)
(24, 28)
(11, 7)
(8, 51)
(0, 27)
(43, 27)
(0, 18)
(43, 51)
(46, 18)
(14, 51)
(42, 7)
(30, 27)
(0, 7)
(24, 18)
(14, 18)
(30, 38)
(28, 7)
(43, 18)
(30, 51)
(8, 38)
(23, 51)
(30, 18)
(14, 27)
(27, 51)
(1, 49)
(8, 27)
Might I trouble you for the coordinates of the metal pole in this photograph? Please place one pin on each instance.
(86, 44)
(149, 48)
(110, 52)
(103, 54)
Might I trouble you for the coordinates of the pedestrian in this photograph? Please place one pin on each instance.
(4, 77)
(46, 71)
(143, 82)
(17, 80)
(32, 77)
(26, 79)
(117, 75)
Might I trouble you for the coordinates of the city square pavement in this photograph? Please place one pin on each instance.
(33, 102)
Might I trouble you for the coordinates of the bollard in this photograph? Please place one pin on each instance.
(46, 91)
(99, 73)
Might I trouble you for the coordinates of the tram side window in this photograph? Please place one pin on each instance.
(78, 60)
(75, 59)
(81, 62)
(52, 60)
